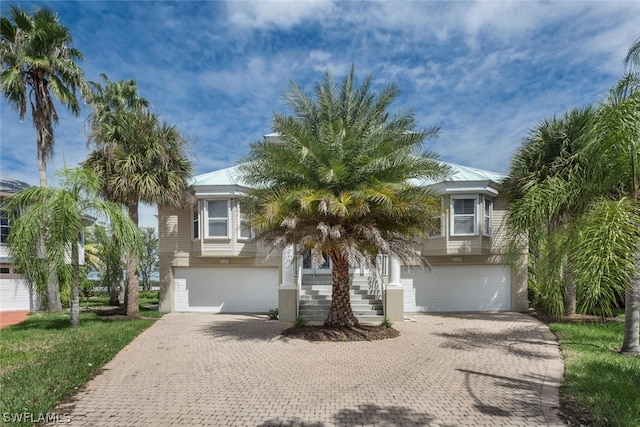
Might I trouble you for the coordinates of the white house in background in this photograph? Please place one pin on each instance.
(15, 294)
(209, 261)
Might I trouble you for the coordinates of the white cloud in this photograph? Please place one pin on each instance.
(280, 14)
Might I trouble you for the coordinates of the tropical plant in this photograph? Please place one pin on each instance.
(104, 254)
(46, 223)
(38, 64)
(137, 157)
(544, 199)
(340, 181)
(615, 169)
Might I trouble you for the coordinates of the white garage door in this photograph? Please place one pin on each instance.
(226, 290)
(14, 295)
(458, 288)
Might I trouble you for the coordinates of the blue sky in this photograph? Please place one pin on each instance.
(485, 72)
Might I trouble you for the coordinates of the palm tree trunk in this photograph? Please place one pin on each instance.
(340, 313)
(74, 311)
(133, 284)
(54, 304)
(630, 342)
(569, 293)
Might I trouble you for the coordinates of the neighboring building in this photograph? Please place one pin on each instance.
(14, 291)
(15, 294)
(210, 263)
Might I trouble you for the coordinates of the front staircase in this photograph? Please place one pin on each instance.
(315, 299)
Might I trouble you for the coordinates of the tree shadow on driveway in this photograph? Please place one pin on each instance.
(365, 414)
(246, 327)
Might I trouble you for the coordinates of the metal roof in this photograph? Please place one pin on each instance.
(9, 185)
(232, 176)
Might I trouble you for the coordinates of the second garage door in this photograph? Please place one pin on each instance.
(458, 288)
(226, 290)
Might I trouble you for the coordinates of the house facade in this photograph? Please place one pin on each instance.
(209, 261)
(15, 294)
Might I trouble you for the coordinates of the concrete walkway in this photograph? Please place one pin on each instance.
(235, 370)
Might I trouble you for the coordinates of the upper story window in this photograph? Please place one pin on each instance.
(218, 218)
(244, 223)
(463, 215)
(4, 226)
(195, 222)
(488, 216)
(437, 224)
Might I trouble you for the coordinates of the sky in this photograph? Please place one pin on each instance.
(485, 72)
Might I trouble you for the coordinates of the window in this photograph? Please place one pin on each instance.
(244, 223)
(488, 216)
(4, 226)
(218, 218)
(195, 221)
(463, 218)
(437, 224)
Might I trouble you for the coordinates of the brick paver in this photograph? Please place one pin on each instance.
(236, 370)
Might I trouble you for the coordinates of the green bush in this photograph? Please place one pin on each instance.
(273, 314)
(300, 322)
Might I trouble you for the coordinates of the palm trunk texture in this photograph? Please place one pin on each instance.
(340, 313)
(74, 311)
(133, 284)
(630, 342)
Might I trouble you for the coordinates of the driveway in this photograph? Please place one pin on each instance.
(223, 370)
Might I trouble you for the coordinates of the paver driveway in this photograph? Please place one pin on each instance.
(445, 370)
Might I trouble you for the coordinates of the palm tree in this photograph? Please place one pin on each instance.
(38, 63)
(340, 181)
(544, 199)
(614, 151)
(46, 223)
(138, 159)
(103, 253)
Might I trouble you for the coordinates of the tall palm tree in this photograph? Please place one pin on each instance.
(138, 159)
(46, 223)
(340, 181)
(544, 199)
(38, 64)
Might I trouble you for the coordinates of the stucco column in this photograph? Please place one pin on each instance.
(288, 292)
(394, 294)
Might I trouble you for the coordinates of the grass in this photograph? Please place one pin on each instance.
(601, 387)
(43, 361)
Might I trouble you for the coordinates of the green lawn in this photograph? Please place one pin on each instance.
(601, 387)
(42, 360)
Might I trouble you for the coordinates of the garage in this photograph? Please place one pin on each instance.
(14, 295)
(226, 289)
(457, 288)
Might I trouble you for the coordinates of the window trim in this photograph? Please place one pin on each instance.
(475, 214)
(227, 219)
